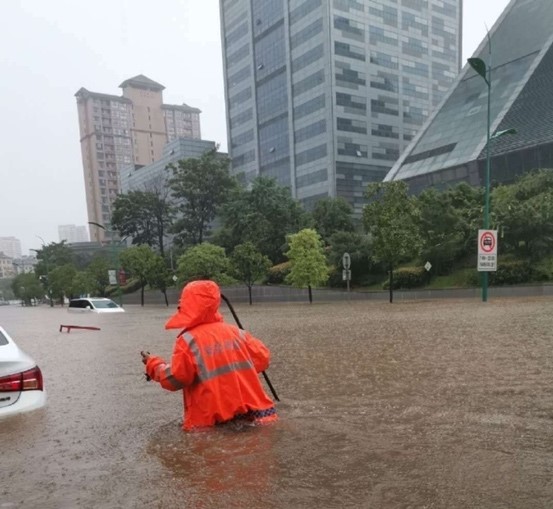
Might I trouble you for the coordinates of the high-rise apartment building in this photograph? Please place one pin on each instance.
(72, 233)
(10, 246)
(452, 145)
(324, 95)
(118, 131)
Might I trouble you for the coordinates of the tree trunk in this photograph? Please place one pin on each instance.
(310, 294)
(166, 299)
(391, 284)
(142, 295)
(250, 293)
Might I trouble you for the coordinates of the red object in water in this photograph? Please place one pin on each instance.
(69, 327)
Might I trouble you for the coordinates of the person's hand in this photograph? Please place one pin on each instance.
(145, 356)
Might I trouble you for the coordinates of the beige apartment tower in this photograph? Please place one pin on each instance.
(125, 131)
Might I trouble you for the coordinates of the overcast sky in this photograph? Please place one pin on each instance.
(51, 48)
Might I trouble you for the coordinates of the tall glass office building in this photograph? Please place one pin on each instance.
(324, 95)
(451, 147)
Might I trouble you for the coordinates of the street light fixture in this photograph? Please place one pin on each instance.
(485, 71)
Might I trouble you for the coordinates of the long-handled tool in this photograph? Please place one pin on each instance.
(240, 325)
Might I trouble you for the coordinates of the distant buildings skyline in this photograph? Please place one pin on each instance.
(72, 233)
(118, 131)
(10, 246)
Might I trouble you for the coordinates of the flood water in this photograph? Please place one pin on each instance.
(443, 404)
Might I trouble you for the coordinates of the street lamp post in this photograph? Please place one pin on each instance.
(486, 73)
(114, 258)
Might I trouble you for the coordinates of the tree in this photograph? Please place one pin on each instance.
(98, 271)
(524, 213)
(331, 215)
(139, 260)
(249, 265)
(201, 186)
(27, 287)
(55, 254)
(61, 281)
(83, 284)
(204, 261)
(263, 215)
(145, 216)
(468, 201)
(358, 246)
(391, 217)
(159, 276)
(441, 228)
(306, 253)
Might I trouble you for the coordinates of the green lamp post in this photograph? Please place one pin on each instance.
(486, 73)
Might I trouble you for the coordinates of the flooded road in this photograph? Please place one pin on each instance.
(443, 404)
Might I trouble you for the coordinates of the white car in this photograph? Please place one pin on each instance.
(94, 305)
(21, 384)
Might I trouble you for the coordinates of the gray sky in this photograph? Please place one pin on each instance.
(51, 48)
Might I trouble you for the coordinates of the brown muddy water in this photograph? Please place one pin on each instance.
(443, 404)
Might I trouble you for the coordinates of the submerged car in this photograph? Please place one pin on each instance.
(21, 383)
(94, 305)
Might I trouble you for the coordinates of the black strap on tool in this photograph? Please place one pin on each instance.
(240, 325)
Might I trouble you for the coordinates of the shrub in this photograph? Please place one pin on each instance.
(277, 273)
(408, 277)
(511, 273)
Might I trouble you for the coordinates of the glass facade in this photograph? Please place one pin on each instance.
(450, 145)
(325, 94)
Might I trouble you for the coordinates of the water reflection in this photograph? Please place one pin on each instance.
(229, 465)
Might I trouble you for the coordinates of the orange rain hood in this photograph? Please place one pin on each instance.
(199, 303)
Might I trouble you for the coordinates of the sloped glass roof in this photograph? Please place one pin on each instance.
(457, 133)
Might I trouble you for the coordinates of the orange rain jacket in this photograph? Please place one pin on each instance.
(215, 364)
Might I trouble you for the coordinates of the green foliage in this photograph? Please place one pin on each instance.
(201, 187)
(511, 273)
(277, 273)
(146, 216)
(358, 246)
(263, 215)
(98, 271)
(61, 282)
(83, 284)
(408, 277)
(391, 218)
(306, 253)
(138, 261)
(248, 264)
(204, 261)
(523, 212)
(55, 254)
(27, 287)
(442, 230)
(332, 215)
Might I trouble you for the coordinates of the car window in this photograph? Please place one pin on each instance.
(80, 304)
(104, 304)
(3, 339)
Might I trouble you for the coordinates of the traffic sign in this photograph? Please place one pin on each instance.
(346, 261)
(427, 266)
(346, 275)
(487, 250)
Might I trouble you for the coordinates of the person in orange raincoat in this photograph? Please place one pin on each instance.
(216, 364)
